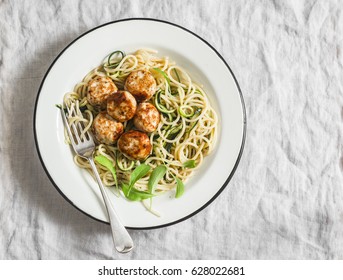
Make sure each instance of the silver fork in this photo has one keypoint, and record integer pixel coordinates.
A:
(84, 146)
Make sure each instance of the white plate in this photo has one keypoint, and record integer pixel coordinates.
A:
(189, 51)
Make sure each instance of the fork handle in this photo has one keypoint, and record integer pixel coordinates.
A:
(121, 238)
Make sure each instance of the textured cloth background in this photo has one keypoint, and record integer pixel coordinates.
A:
(285, 200)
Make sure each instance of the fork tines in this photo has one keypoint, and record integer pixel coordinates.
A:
(75, 124)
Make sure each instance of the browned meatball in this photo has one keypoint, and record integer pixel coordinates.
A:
(147, 117)
(106, 130)
(121, 106)
(141, 84)
(135, 145)
(99, 89)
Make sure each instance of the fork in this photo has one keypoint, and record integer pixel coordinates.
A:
(84, 146)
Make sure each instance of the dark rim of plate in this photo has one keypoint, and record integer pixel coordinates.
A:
(244, 123)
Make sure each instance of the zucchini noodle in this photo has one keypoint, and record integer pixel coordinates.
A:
(188, 126)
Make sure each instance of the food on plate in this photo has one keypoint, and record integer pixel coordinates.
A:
(153, 124)
(135, 145)
(107, 130)
(142, 84)
(121, 106)
(99, 89)
(147, 117)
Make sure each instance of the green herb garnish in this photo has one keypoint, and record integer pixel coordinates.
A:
(180, 188)
(139, 172)
(135, 195)
(104, 161)
(156, 175)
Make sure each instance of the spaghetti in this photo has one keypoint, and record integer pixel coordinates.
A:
(185, 135)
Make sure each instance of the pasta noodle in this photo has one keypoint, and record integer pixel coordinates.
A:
(188, 126)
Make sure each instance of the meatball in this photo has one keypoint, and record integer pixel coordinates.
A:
(99, 89)
(121, 106)
(106, 130)
(135, 145)
(147, 117)
(141, 84)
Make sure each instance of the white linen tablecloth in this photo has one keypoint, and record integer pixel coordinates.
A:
(285, 200)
